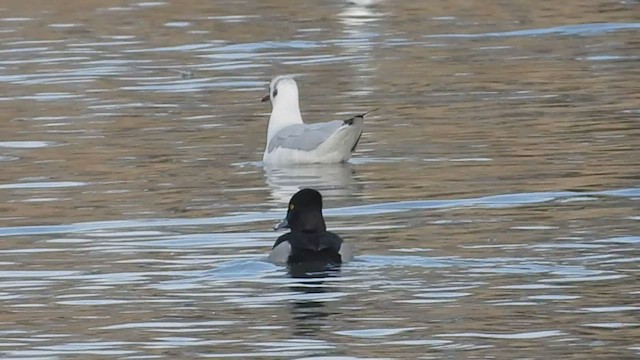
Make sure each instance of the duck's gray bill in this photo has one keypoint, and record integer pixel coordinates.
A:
(283, 224)
(266, 98)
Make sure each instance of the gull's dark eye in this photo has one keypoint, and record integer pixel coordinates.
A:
(275, 93)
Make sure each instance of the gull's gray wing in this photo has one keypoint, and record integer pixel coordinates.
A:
(305, 137)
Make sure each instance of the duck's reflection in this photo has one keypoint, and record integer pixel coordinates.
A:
(333, 180)
(314, 270)
(311, 315)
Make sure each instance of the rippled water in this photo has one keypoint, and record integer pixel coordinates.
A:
(493, 201)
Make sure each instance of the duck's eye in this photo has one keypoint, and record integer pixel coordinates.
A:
(275, 93)
(291, 207)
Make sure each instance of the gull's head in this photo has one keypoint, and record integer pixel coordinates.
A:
(282, 90)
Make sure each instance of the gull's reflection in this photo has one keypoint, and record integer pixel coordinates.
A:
(332, 180)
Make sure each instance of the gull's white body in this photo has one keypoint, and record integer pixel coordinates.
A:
(336, 149)
(290, 141)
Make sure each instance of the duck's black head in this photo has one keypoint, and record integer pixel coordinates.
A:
(304, 213)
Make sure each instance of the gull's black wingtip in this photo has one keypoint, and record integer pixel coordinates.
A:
(351, 120)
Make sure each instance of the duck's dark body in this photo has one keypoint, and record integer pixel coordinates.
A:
(312, 247)
(309, 241)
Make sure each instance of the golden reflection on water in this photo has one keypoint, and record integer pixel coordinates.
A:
(125, 111)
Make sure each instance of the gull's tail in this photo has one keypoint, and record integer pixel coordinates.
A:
(351, 120)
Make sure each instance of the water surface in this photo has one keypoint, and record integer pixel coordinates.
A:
(493, 200)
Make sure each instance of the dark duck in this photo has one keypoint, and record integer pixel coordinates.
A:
(308, 241)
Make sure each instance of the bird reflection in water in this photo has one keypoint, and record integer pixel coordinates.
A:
(310, 313)
(333, 180)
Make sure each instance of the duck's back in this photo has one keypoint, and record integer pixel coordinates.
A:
(312, 247)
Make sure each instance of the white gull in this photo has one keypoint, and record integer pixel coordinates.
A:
(290, 141)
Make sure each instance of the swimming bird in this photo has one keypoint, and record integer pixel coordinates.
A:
(290, 141)
(308, 241)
